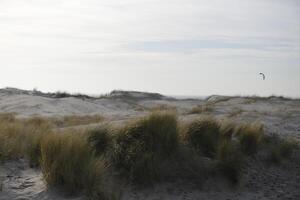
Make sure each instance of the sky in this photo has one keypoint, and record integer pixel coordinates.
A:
(174, 47)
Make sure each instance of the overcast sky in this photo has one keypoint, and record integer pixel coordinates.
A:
(177, 47)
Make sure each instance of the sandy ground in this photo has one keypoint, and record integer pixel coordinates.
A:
(259, 181)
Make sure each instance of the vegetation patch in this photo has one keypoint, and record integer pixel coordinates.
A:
(142, 145)
(229, 160)
(200, 109)
(75, 120)
(250, 137)
(203, 135)
(282, 150)
(68, 161)
(144, 151)
(100, 139)
(163, 107)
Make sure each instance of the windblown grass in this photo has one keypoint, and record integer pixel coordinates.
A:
(144, 151)
(67, 160)
(100, 139)
(163, 107)
(250, 137)
(282, 150)
(200, 109)
(143, 144)
(20, 138)
(203, 135)
(229, 160)
(75, 120)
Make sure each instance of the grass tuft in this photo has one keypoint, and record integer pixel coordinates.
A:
(75, 120)
(68, 161)
(200, 109)
(203, 135)
(100, 140)
(143, 144)
(282, 150)
(229, 160)
(250, 137)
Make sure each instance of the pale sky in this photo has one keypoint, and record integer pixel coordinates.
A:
(175, 47)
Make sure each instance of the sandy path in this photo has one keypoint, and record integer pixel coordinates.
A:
(20, 182)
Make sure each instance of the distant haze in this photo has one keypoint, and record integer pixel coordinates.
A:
(174, 47)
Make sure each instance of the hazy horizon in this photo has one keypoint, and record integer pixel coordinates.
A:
(173, 47)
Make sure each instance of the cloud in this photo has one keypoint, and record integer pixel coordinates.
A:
(129, 35)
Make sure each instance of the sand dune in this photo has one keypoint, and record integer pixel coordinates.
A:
(279, 115)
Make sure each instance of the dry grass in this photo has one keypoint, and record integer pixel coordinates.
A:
(20, 138)
(143, 144)
(75, 120)
(235, 112)
(229, 160)
(163, 107)
(250, 137)
(100, 139)
(67, 160)
(282, 150)
(203, 135)
(144, 150)
(200, 109)
(227, 129)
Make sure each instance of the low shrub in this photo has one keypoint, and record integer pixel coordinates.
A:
(203, 135)
(142, 145)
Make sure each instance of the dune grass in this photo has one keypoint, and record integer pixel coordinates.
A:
(282, 150)
(229, 160)
(142, 152)
(250, 137)
(141, 146)
(75, 120)
(67, 160)
(200, 109)
(203, 135)
(20, 138)
(100, 139)
(163, 107)
(224, 142)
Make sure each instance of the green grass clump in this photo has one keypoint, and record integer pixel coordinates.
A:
(142, 145)
(203, 135)
(250, 137)
(100, 139)
(229, 160)
(68, 161)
